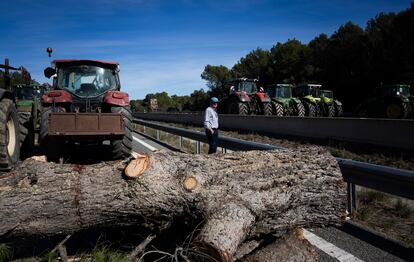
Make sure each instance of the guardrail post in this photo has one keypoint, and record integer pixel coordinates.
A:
(351, 197)
(198, 147)
(180, 142)
(145, 129)
(158, 134)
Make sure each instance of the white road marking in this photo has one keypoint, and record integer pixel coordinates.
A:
(144, 143)
(330, 248)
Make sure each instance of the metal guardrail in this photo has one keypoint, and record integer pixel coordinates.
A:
(393, 133)
(385, 179)
(225, 142)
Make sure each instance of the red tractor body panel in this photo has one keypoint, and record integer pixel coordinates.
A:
(57, 96)
(117, 98)
(263, 97)
(243, 96)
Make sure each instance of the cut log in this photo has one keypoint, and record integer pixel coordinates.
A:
(240, 196)
(137, 166)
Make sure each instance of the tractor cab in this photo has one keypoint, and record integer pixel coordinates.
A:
(86, 84)
(279, 91)
(243, 85)
(311, 91)
(396, 90)
(327, 94)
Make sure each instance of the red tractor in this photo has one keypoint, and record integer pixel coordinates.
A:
(246, 98)
(85, 107)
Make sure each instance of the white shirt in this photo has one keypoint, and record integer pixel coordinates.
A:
(210, 118)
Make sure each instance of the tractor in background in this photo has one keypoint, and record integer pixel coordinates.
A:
(245, 98)
(28, 108)
(282, 101)
(391, 101)
(85, 107)
(327, 99)
(309, 96)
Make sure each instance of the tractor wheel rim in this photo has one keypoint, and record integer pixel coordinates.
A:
(393, 111)
(11, 137)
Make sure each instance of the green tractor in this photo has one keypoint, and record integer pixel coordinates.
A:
(328, 100)
(28, 105)
(391, 101)
(282, 101)
(245, 98)
(310, 98)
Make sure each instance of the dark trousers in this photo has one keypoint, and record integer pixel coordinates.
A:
(212, 140)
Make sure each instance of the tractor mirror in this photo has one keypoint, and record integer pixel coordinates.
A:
(49, 72)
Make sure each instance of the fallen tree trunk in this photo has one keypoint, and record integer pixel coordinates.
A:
(240, 196)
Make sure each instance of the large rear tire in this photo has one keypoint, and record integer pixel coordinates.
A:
(278, 109)
(122, 147)
(52, 147)
(394, 110)
(9, 135)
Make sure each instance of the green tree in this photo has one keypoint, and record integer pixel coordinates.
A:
(198, 100)
(291, 62)
(256, 64)
(217, 77)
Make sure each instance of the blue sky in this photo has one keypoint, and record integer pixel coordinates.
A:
(164, 45)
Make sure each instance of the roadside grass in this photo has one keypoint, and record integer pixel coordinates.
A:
(391, 215)
(6, 252)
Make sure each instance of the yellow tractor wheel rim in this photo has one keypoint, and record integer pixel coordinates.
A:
(11, 137)
(393, 111)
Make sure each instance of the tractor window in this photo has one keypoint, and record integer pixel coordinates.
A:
(248, 87)
(24, 93)
(86, 80)
(327, 94)
(315, 92)
(271, 91)
(283, 92)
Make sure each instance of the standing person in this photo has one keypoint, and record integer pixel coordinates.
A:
(211, 125)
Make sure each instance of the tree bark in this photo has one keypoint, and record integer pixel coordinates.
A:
(240, 196)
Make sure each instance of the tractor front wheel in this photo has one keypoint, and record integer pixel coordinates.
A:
(338, 110)
(267, 109)
(238, 108)
(331, 110)
(122, 147)
(9, 135)
(300, 110)
(310, 109)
